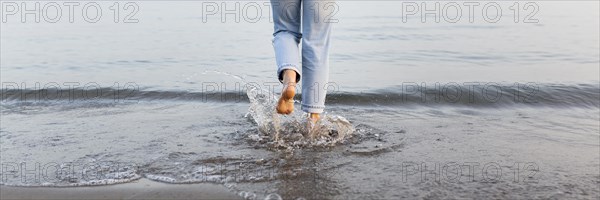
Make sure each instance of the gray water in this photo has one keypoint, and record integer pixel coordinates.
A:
(416, 110)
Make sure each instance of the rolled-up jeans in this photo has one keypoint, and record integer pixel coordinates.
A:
(289, 19)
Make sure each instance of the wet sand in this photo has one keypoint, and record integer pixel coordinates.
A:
(140, 189)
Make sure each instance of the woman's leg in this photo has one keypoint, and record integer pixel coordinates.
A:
(316, 29)
(286, 19)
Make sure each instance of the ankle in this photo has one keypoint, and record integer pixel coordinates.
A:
(314, 115)
(289, 77)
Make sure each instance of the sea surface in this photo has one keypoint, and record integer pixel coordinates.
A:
(414, 110)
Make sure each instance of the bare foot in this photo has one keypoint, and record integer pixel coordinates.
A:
(314, 117)
(285, 105)
(312, 122)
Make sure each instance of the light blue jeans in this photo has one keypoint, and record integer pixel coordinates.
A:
(289, 18)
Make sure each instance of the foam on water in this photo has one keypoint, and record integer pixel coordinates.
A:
(71, 174)
(294, 130)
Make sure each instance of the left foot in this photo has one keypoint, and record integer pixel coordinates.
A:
(285, 105)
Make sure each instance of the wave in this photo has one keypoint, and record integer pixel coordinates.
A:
(490, 95)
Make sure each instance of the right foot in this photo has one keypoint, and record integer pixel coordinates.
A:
(285, 105)
(313, 118)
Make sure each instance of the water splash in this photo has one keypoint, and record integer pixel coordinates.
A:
(294, 130)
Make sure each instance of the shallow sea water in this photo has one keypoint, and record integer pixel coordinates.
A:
(419, 110)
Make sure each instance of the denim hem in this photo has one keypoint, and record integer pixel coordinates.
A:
(312, 109)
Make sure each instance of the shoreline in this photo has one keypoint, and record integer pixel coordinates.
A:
(139, 189)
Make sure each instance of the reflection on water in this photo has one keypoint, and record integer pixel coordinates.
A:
(171, 142)
(289, 175)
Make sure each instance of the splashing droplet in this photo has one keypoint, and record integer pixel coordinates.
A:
(294, 130)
